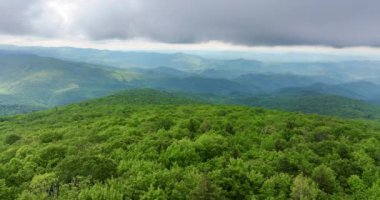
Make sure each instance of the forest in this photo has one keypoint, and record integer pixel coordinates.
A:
(148, 144)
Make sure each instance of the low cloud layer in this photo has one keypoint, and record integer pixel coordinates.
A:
(337, 23)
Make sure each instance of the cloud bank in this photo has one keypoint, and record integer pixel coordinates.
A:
(338, 23)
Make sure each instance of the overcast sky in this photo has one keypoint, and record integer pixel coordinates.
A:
(334, 23)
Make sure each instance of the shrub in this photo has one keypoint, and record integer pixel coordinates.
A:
(11, 139)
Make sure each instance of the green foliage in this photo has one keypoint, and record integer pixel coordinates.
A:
(51, 155)
(373, 193)
(44, 184)
(181, 150)
(98, 168)
(50, 137)
(11, 138)
(325, 178)
(303, 188)
(108, 191)
(356, 187)
(154, 194)
(5, 191)
(277, 187)
(205, 190)
(210, 145)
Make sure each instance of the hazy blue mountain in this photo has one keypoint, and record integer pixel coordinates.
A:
(49, 81)
(37, 76)
(18, 109)
(120, 59)
(272, 82)
(366, 89)
(231, 69)
(199, 85)
(346, 71)
(12, 105)
(162, 72)
(357, 90)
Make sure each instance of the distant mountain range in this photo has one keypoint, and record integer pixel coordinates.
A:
(33, 78)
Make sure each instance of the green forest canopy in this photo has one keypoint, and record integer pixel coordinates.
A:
(167, 147)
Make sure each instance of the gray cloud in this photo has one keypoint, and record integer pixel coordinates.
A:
(249, 22)
(16, 15)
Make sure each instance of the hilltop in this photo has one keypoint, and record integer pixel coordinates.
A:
(167, 147)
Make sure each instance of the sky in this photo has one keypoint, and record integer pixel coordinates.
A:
(304, 25)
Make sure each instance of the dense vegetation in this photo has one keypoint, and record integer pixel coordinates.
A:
(152, 145)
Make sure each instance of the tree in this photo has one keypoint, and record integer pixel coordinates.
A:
(181, 152)
(11, 138)
(325, 178)
(205, 190)
(45, 183)
(357, 187)
(96, 167)
(303, 188)
(210, 145)
(154, 194)
(5, 191)
(236, 179)
(287, 164)
(193, 126)
(277, 187)
(108, 191)
(373, 193)
(50, 156)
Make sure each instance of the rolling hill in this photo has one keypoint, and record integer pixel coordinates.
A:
(166, 147)
(315, 104)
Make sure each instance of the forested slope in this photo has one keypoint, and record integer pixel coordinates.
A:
(315, 104)
(165, 147)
